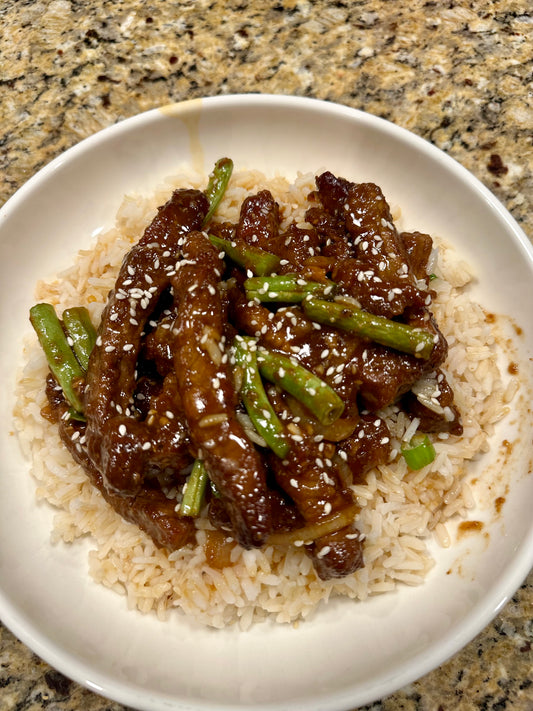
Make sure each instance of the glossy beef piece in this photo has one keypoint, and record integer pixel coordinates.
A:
(224, 230)
(337, 554)
(259, 222)
(388, 375)
(157, 346)
(297, 246)
(208, 397)
(285, 516)
(418, 247)
(333, 192)
(171, 443)
(117, 443)
(311, 480)
(279, 329)
(150, 510)
(444, 417)
(333, 240)
(375, 292)
(378, 275)
(367, 447)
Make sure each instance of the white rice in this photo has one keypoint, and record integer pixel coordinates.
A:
(401, 510)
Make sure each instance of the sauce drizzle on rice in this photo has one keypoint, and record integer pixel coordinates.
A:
(399, 508)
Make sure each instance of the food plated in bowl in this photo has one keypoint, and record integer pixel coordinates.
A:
(422, 621)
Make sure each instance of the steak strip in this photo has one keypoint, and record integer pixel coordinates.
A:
(151, 510)
(119, 445)
(207, 394)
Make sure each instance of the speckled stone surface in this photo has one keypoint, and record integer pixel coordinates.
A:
(457, 73)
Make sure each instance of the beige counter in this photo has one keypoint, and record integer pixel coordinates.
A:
(456, 73)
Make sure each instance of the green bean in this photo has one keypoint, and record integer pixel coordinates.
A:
(255, 399)
(317, 396)
(216, 187)
(257, 260)
(400, 336)
(60, 357)
(81, 331)
(287, 288)
(194, 490)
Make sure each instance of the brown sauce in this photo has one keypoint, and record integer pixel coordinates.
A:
(498, 503)
(466, 527)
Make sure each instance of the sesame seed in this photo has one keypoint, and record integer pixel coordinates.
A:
(122, 430)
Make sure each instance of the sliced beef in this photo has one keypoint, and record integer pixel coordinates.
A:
(418, 247)
(368, 447)
(311, 480)
(208, 396)
(150, 509)
(259, 222)
(118, 444)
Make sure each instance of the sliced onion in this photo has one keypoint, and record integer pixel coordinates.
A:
(424, 390)
(308, 534)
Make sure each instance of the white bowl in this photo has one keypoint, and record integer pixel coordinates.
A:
(349, 653)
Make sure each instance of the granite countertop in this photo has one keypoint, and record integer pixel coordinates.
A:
(457, 73)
